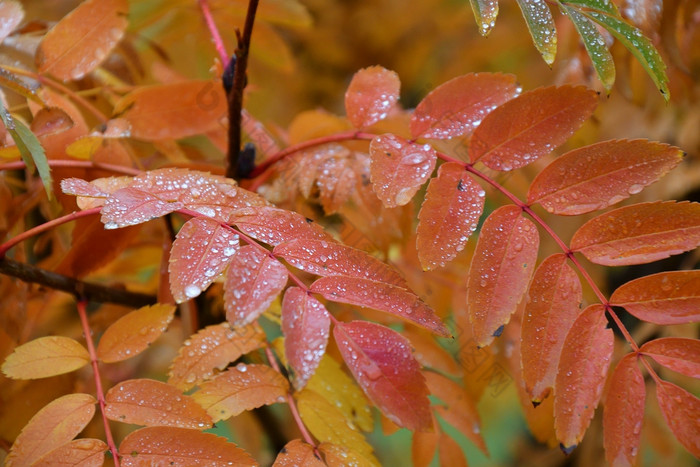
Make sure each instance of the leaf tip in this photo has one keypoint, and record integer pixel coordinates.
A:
(567, 449)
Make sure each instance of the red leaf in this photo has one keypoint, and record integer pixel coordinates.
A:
(554, 299)
(274, 226)
(201, 251)
(252, 282)
(677, 353)
(372, 93)
(153, 403)
(131, 206)
(214, 347)
(500, 272)
(324, 258)
(164, 445)
(530, 126)
(398, 168)
(382, 363)
(53, 426)
(380, 296)
(624, 413)
(84, 452)
(305, 325)
(640, 233)
(583, 366)
(600, 175)
(297, 453)
(682, 413)
(456, 107)
(449, 215)
(663, 298)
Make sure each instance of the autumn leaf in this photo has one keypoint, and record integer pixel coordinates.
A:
(240, 388)
(274, 226)
(324, 258)
(372, 93)
(485, 13)
(450, 452)
(131, 206)
(449, 215)
(600, 175)
(423, 447)
(380, 296)
(180, 447)
(78, 43)
(681, 410)
(153, 403)
(458, 106)
(380, 359)
(213, 347)
(253, 281)
(306, 326)
(13, 13)
(624, 413)
(554, 299)
(640, 233)
(583, 366)
(53, 426)
(44, 357)
(429, 353)
(398, 168)
(665, 298)
(134, 332)
(339, 456)
(530, 126)
(202, 249)
(677, 353)
(84, 452)
(500, 272)
(297, 453)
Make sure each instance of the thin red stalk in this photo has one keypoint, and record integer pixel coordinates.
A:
(18, 165)
(82, 305)
(44, 227)
(214, 31)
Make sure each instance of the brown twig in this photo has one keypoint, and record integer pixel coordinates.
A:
(235, 97)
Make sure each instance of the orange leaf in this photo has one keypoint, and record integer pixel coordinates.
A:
(382, 363)
(583, 366)
(372, 93)
(243, 387)
(78, 43)
(459, 409)
(530, 126)
(50, 120)
(398, 168)
(44, 357)
(201, 251)
(305, 325)
(164, 445)
(51, 427)
(380, 296)
(274, 226)
(677, 353)
(336, 181)
(429, 353)
(175, 110)
(252, 282)
(131, 206)
(13, 14)
(600, 175)
(554, 299)
(423, 448)
(681, 410)
(84, 452)
(297, 453)
(134, 332)
(449, 215)
(500, 272)
(624, 413)
(664, 298)
(456, 107)
(213, 347)
(640, 233)
(153, 403)
(324, 258)
(450, 452)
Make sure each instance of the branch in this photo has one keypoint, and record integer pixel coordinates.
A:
(235, 97)
(92, 292)
(214, 31)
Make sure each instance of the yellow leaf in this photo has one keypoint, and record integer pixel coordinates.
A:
(340, 456)
(134, 332)
(44, 357)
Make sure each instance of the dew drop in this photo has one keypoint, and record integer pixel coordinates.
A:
(192, 291)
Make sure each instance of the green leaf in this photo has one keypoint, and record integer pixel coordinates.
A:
(485, 12)
(30, 148)
(541, 25)
(640, 46)
(595, 46)
(606, 6)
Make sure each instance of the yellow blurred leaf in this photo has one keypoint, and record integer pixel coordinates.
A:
(44, 357)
